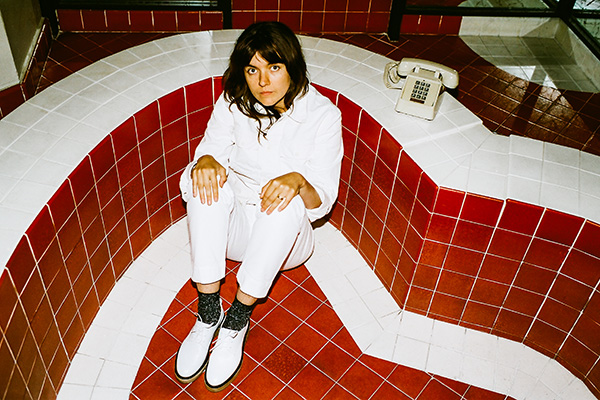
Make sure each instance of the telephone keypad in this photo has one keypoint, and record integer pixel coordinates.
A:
(420, 91)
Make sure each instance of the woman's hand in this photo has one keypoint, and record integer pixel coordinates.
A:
(207, 177)
(280, 191)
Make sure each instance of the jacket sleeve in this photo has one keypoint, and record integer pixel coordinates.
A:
(324, 166)
(218, 141)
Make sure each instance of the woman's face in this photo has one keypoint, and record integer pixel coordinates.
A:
(268, 82)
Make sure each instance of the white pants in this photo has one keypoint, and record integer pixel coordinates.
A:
(238, 230)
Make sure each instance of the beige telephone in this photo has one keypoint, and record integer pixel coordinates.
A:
(421, 82)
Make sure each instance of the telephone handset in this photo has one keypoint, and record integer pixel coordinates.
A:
(421, 82)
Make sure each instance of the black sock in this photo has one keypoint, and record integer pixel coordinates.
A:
(237, 316)
(209, 307)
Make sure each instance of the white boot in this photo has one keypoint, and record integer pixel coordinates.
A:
(192, 355)
(226, 358)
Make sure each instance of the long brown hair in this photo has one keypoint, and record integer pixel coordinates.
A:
(276, 43)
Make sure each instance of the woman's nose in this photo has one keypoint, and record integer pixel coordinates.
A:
(264, 80)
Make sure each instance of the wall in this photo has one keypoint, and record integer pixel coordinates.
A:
(22, 24)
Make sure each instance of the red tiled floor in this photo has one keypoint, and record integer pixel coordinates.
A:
(287, 356)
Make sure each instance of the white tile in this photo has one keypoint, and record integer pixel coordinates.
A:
(116, 375)
(487, 184)
(411, 352)
(416, 326)
(141, 323)
(112, 315)
(128, 291)
(338, 290)
(366, 334)
(101, 393)
(28, 196)
(74, 392)
(480, 345)
(98, 340)
(525, 167)
(525, 190)
(448, 336)
(556, 377)
(590, 207)
(381, 303)
(560, 175)
(560, 198)
(68, 152)
(504, 378)
(128, 349)
(84, 370)
(478, 372)
(48, 172)
(26, 114)
(10, 132)
(155, 300)
(77, 107)
(383, 346)
(354, 313)
(444, 362)
(364, 280)
(14, 164)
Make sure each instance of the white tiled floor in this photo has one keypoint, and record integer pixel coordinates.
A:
(107, 361)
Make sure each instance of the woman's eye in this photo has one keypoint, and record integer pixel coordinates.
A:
(275, 67)
(251, 71)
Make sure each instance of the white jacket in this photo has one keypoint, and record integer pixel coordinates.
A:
(306, 139)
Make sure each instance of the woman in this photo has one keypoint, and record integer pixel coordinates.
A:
(267, 166)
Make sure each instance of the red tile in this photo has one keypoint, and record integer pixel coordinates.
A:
(558, 315)
(520, 217)
(82, 180)
(534, 278)
(472, 236)
(171, 107)
(389, 150)
(447, 306)
(410, 381)
(280, 322)
(418, 299)
(410, 24)
(427, 192)
(50, 263)
(409, 172)
(545, 338)
(188, 21)
(378, 22)
(509, 244)
(157, 385)
(310, 382)
(480, 209)
(570, 292)
(463, 261)
(242, 19)
(334, 21)
(361, 381)
(332, 361)
(350, 113)
(301, 303)
(124, 138)
(441, 228)
(426, 277)
(93, 20)
(305, 341)
(129, 168)
(291, 18)
(522, 301)
(559, 227)
(587, 240)
(479, 315)
(165, 21)
(369, 131)
(577, 356)
(433, 253)
(450, 24)
(261, 384)
(449, 202)
(102, 157)
(429, 23)
(455, 284)
(364, 158)
(383, 177)
(139, 240)
(117, 20)
(546, 254)
(211, 20)
(70, 20)
(512, 325)
(413, 243)
(141, 20)
(582, 267)
(403, 198)
(69, 234)
(40, 233)
(325, 321)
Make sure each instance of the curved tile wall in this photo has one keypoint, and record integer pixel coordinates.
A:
(493, 233)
